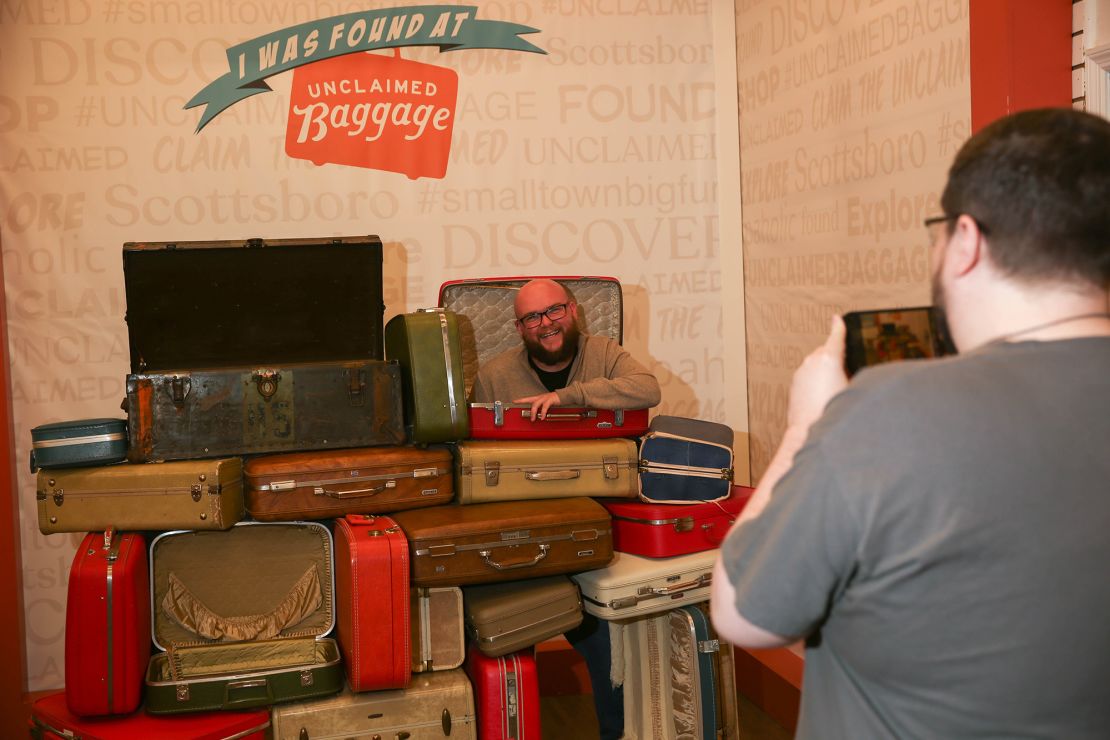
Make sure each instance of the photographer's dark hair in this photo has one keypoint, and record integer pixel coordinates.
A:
(1038, 182)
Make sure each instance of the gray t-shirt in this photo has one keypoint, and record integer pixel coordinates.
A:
(943, 539)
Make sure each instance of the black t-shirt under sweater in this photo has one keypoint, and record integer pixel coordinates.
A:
(552, 381)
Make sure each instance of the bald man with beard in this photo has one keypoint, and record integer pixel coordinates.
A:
(557, 365)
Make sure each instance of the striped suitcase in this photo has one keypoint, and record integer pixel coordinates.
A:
(507, 695)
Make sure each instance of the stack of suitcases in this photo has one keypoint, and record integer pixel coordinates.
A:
(303, 529)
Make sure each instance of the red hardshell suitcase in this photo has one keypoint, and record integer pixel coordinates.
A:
(499, 420)
(664, 530)
(107, 638)
(372, 602)
(506, 694)
(51, 720)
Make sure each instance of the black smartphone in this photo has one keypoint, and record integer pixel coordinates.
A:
(890, 334)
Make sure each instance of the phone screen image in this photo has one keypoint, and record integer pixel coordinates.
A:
(888, 335)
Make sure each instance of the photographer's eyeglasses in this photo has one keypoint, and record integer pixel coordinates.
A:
(934, 220)
(554, 313)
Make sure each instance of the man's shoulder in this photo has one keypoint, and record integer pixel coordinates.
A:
(502, 361)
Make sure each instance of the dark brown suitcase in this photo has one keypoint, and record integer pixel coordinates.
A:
(479, 543)
(332, 484)
(214, 373)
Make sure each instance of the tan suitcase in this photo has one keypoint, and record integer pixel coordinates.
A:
(191, 494)
(502, 618)
(438, 640)
(521, 470)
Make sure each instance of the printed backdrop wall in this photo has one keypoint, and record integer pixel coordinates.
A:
(598, 157)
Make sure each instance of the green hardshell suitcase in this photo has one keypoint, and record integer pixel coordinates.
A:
(426, 345)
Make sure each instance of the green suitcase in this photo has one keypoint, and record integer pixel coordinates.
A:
(241, 616)
(427, 347)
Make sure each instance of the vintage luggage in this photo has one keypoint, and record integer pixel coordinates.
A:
(510, 471)
(107, 638)
(665, 530)
(457, 545)
(51, 720)
(678, 679)
(372, 602)
(487, 320)
(438, 637)
(506, 694)
(81, 443)
(332, 483)
(685, 461)
(499, 420)
(189, 494)
(299, 370)
(632, 585)
(435, 705)
(502, 618)
(426, 345)
(241, 615)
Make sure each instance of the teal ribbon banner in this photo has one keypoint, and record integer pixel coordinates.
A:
(450, 27)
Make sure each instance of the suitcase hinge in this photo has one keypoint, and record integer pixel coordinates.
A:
(618, 417)
(437, 551)
(686, 524)
(355, 383)
(493, 473)
(709, 646)
(179, 388)
(306, 678)
(183, 692)
(425, 472)
(498, 414)
(609, 465)
(267, 382)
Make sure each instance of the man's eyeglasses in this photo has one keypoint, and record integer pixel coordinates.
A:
(534, 319)
(934, 220)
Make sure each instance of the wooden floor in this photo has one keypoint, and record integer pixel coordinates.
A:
(572, 717)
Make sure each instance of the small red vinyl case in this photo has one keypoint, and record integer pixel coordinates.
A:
(666, 530)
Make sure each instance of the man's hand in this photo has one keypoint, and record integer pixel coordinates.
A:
(820, 377)
(540, 403)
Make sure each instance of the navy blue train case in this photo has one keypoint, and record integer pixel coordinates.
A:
(685, 461)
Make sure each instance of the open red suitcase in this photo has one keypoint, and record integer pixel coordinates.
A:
(372, 602)
(663, 530)
(51, 720)
(506, 694)
(107, 639)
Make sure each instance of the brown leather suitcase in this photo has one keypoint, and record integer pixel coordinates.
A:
(502, 618)
(479, 543)
(332, 484)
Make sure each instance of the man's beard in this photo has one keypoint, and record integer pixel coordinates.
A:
(541, 354)
(940, 315)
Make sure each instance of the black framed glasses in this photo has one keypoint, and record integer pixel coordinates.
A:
(534, 319)
(934, 220)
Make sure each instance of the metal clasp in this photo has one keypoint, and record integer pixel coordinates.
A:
(355, 383)
(179, 387)
(492, 473)
(267, 382)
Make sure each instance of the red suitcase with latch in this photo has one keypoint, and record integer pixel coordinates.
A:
(664, 530)
(51, 720)
(107, 640)
(372, 602)
(506, 694)
(499, 420)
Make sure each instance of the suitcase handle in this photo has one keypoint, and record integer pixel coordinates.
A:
(355, 492)
(501, 566)
(552, 474)
(562, 416)
(703, 580)
(252, 698)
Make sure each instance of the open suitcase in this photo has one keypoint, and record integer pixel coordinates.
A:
(679, 679)
(514, 471)
(300, 370)
(685, 461)
(427, 347)
(482, 543)
(438, 637)
(51, 720)
(80, 443)
(435, 705)
(242, 616)
(666, 530)
(187, 494)
(333, 483)
(502, 618)
(372, 602)
(107, 639)
(507, 695)
(631, 585)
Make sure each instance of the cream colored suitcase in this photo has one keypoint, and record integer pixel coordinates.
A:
(435, 705)
(632, 585)
(191, 494)
(490, 471)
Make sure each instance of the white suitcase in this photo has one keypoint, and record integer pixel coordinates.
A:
(632, 585)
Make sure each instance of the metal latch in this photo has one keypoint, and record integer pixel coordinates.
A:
(195, 491)
(498, 414)
(179, 387)
(267, 382)
(355, 383)
(618, 417)
(493, 473)
(709, 646)
(183, 692)
(306, 678)
(609, 465)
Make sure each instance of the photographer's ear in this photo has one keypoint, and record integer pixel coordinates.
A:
(965, 249)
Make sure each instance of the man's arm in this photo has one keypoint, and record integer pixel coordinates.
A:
(820, 377)
(619, 383)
